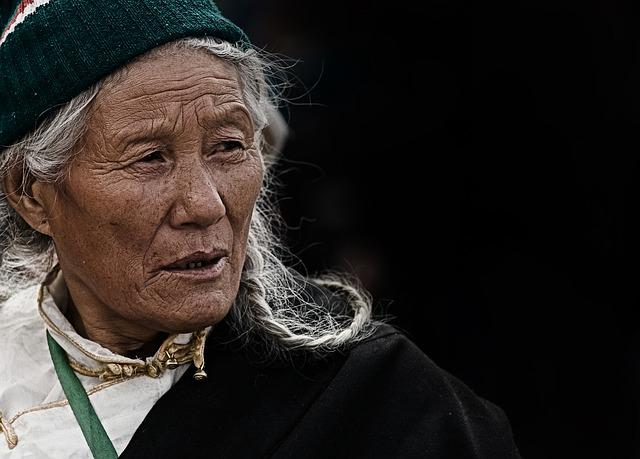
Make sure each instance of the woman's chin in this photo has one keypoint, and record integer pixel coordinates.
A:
(195, 315)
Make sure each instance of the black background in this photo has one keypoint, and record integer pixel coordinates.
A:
(476, 167)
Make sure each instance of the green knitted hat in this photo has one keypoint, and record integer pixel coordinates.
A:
(52, 50)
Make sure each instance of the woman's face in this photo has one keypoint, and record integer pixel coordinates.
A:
(151, 222)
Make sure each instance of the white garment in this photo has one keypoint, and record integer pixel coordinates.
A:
(32, 400)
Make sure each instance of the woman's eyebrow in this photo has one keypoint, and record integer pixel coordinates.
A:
(223, 115)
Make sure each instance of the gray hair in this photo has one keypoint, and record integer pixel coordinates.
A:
(276, 309)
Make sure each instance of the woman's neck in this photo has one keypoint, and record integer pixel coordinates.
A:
(107, 329)
(121, 343)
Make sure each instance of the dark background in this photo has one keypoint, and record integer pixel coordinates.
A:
(476, 167)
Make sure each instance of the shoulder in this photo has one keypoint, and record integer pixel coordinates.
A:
(389, 349)
(397, 365)
(395, 401)
(20, 323)
(19, 309)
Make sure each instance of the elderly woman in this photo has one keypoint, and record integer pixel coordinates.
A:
(146, 311)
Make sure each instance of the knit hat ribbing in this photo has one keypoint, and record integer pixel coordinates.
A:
(52, 50)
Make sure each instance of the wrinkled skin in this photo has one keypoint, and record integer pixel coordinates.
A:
(168, 168)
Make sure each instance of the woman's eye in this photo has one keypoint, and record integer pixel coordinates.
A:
(227, 146)
(156, 156)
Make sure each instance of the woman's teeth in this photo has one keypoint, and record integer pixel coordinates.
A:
(192, 265)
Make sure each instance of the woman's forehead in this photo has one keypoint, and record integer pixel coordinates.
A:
(163, 73)
(170, 86)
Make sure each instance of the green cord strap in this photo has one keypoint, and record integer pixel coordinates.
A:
(92, 429)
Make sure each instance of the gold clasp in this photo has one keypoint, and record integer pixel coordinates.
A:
(172, 363)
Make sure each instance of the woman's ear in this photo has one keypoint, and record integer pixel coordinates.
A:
(27, 197)
(276, 132)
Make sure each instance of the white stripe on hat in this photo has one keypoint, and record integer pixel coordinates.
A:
(28, 9)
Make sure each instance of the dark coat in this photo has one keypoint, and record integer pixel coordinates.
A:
(382, 399)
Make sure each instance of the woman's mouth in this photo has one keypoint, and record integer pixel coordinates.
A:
(198, 266)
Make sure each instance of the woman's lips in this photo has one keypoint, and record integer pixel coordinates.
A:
(199, 270)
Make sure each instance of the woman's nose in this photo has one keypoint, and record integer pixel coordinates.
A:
(198, 202)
